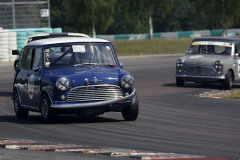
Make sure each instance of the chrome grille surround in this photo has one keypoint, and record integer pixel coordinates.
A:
(199, 71)
(95, 93)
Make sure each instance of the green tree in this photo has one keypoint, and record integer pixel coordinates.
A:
(91, 15)
(152, 6)
(127, 19)
(135, 16)
(183, 17)
(219, 13)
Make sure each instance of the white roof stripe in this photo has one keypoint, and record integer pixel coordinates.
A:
(227, 44)
(65, 40)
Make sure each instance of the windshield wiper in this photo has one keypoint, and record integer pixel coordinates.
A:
(64, 54)
(112, 65)
(85, 64)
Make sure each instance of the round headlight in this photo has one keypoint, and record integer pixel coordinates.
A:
(62, 84)
(127, 82)
(180, 63)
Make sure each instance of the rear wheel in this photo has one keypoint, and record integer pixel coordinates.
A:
(130, 113)
(47, 113)
(180, 82)
(19, 111)
(228, 81)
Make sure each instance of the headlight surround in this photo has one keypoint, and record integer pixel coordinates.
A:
(127, 81)
(62, 84)
(180, 63)
(218, 66)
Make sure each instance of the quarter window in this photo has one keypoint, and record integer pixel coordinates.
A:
(36, 60)
(237, 48)
(25, 58)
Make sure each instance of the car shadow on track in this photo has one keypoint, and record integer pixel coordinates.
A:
(6, 94)
(62, 119)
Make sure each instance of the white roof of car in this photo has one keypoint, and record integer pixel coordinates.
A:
(65, 40)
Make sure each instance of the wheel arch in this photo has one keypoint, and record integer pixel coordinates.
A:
(15, 88)
(233, 75)
(45, 92)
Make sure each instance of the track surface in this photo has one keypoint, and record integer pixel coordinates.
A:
(171, 119)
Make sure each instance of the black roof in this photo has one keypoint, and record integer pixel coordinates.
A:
(221, 39)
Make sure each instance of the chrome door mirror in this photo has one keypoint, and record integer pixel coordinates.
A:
(35, 68)
(121, 65)
(236, 55)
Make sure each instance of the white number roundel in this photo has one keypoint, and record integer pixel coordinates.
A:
(31, 86)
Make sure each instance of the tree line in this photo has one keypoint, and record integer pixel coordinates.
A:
(143, 16)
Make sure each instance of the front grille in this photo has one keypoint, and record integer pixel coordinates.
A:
(199, 71)
(94, 93)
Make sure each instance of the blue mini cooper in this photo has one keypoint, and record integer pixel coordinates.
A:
(73, 75)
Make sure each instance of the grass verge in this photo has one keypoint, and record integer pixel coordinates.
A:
(234, 94)
(151, 47)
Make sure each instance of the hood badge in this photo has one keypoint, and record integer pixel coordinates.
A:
(86, 82)
(95, 80)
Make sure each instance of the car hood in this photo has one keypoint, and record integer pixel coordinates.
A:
(94, 74)
(207, 60)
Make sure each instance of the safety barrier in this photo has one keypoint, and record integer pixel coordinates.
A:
(15, 39)
(181, 34)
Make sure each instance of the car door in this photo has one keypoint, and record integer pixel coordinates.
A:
(33, 79)
(237, 61)
(22, 77)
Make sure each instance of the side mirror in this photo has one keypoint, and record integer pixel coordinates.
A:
(15, 52)
(236, 55)
(35, 68)
(121, 65)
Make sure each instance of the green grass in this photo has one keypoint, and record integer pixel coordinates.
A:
(234, 94)
(151, 47)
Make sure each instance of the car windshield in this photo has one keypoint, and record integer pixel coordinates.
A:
(210, 47)
(79, 55)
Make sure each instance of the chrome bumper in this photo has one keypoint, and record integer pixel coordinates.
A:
(202, 77)
(92, 104)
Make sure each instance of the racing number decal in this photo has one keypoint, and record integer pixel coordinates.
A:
(31, 86)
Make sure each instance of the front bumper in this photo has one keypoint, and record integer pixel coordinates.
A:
(92, 104)
(201, 79)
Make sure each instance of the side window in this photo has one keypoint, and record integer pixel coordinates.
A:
(36, 58)
(25, 58)
(237, 48)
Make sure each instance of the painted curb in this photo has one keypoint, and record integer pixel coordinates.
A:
(214, 94)
(137, 154)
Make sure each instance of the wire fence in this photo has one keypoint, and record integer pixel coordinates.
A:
(16, 14)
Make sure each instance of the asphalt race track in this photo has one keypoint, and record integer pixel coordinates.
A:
(171, 119)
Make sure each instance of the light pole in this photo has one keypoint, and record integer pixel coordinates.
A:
(13, 14)
(223, 19)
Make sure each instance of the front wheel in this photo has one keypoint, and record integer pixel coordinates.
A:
(180, 82)
(130, 113)
(47, 113)
(228, 81)
(19, 111)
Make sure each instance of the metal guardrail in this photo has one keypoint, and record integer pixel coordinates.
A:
(24, 14)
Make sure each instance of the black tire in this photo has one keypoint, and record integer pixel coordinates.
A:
(180, 82)
(16, 65)
(48, 114)
(19, 110)
(130, 113)
(228, 81)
